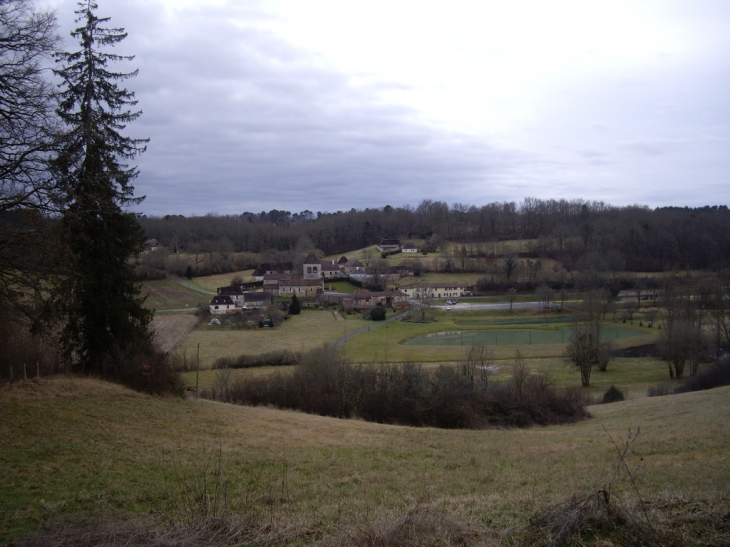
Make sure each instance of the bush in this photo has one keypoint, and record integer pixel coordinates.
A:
(281, 358)
(613, 395)
(659, 390)
(18, 346)
(294, 307)
(377, 313)
(325, 383)
(714, 376)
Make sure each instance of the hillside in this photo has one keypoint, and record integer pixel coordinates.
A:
(79, 447)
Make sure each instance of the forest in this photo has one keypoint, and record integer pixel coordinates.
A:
(628, 238)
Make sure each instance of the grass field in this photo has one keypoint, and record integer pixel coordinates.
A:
(169, 295)
(310, 329)
(83, 449)
(388, 339)
(212, 282)
(171, 329)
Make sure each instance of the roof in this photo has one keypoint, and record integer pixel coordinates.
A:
(280, 267)
(361, 294)
(229, 291)
(302, 282)
(256, 296)
(387, 293)
(277, 277)
(222, 301)
(343, 260)
(390, 242)
(435, 285)
(355, 264)
(329, 266)
(409, 245)
(311, 259)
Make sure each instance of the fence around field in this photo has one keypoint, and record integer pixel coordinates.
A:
(510, 337)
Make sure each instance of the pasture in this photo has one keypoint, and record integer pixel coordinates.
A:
(86, 452)
(302, 332)
(167, 294)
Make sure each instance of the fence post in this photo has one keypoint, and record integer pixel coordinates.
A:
(197, 372)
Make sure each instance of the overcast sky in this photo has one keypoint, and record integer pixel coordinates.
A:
(332, 104)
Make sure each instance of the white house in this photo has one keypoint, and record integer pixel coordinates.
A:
(436, 290)
(222, 305)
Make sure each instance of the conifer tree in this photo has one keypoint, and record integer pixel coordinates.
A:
(100, 300)
(294, 308)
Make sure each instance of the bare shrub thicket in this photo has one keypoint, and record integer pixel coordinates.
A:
(716, 375)
(268, 359)
(450, 397)
(19, 349)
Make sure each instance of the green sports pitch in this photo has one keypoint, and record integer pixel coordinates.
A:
(510, 337)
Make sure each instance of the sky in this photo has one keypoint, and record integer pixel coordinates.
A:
(329, 105)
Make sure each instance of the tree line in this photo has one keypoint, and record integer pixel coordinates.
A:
(576, 232)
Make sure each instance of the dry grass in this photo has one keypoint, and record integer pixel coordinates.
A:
(212, 282)
(170, 330)
(81, 447)
(302, 332)
(169, 295)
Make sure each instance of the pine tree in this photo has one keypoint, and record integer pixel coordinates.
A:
(100, 302)
(294, 307)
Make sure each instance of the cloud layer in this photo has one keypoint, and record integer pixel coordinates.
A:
(244, 114)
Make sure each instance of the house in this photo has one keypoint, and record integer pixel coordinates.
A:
(300, 286)
(330, 270)
(222, 305)
(354, 267)
(272, 281)
(436, 290)
(364, 300)
(409, 247)
(151, 245)
(266, 268)
(389, 245)
(235, 292)
(342, 261)
(259, 299)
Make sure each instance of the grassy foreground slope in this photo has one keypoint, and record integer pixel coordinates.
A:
(83, 447)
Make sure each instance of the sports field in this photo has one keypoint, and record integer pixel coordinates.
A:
(510, 337)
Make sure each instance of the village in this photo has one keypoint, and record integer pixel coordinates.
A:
(310, 283)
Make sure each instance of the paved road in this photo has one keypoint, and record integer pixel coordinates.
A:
(464, 306)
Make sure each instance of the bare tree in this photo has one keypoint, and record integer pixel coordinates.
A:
(27, 126)
(511, 297)
(478, 364)
(584, 348)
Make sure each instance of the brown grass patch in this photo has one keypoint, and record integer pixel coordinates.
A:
(170, 330)
(169, 295)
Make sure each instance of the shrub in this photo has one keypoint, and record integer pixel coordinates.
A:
(281, 358)
(659, 390)
(294, 307)
(714, 376)
(325, 383)
(377, 313)
(613, 395)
